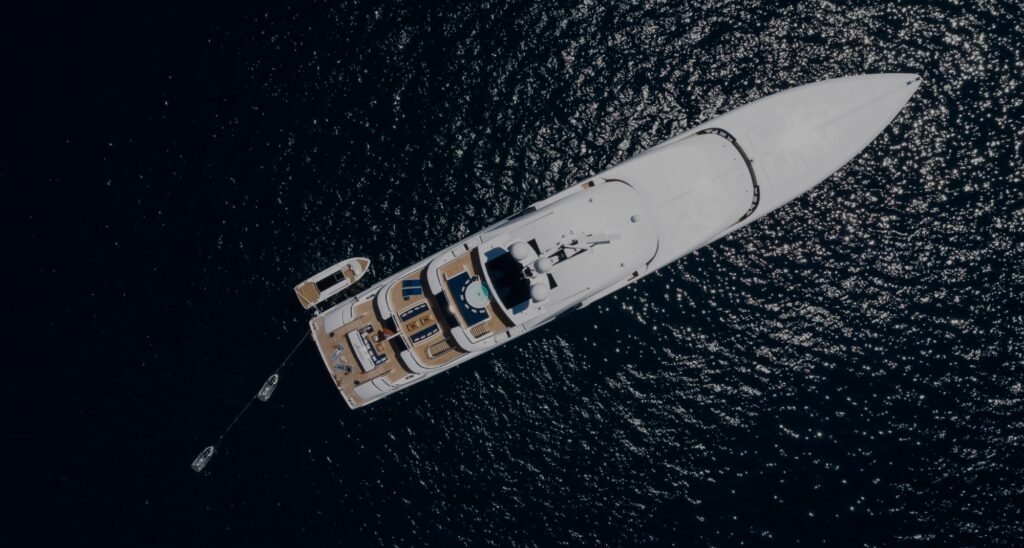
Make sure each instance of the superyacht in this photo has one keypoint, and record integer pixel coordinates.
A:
(594, 238)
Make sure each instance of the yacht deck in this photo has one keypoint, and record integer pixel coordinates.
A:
(419, 317)
(340, 359)
(468, 262)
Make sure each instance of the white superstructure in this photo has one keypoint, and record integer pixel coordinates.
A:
(566, 251)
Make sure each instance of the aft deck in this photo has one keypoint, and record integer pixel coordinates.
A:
(368, 349)
(347, 371)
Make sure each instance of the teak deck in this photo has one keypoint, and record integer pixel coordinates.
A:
(468, 261)
(308, 294)
(433, 316)
(339, 362)
(433, 351)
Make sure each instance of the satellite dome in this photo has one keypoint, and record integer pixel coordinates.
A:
(520, 250)
(543, 265)
(539, 292)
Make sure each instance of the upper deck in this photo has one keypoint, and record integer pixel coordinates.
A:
(401, 330)
(477, 294)
(421, 321)
(472, 300)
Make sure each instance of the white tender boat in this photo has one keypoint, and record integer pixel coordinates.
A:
(600, 235)
(203, 458)
(332, 281)
(268, 388)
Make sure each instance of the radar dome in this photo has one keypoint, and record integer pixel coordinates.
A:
(542, 266)
(520, 250)
(539, 292)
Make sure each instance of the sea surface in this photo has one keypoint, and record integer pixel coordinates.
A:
(847, 371)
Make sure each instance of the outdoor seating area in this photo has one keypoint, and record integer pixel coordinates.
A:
(422, 320)
(414, 311)
(411, 288)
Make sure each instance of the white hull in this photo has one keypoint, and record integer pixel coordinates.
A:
(602, 234)
(331, 281)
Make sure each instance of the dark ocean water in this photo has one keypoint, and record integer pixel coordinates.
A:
(848, 370)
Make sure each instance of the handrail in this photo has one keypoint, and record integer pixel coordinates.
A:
(750, 167)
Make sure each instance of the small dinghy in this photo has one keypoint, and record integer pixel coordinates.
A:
(203, 459)
(268, 388)
(332, 281)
